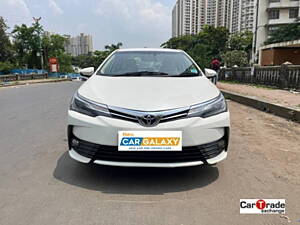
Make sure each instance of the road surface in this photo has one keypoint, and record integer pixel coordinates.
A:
(40, 184)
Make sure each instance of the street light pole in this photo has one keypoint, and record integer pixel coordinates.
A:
(254, 48)
(37, 20)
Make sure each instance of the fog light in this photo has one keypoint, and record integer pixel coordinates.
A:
(221, 144)
(75, 143)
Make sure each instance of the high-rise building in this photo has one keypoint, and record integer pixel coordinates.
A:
(247, 15)
(211, 11)
(218, 13)
(227, 13)
(189, 16)
(235, 16)
(79, 45)
(242, 15)
(270, 16)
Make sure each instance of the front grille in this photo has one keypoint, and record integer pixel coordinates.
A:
(188, 154)
(123, 116)
(138, 116)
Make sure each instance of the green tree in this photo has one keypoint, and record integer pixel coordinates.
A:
(113, 47)
(235, 57)
(96, 58)
(65, 63)
(241, 41)
(201, 54)
(209, 43)
(92, 59)
(30, 43)
(99, 57)
(83, 61)
(27, 42)
(185, 42)
(287, 32)
(54, 46)
(6, 49)
(216, 39)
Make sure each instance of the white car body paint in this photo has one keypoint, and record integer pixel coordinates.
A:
(148, 94)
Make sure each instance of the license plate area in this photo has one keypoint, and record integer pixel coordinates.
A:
(150, 141)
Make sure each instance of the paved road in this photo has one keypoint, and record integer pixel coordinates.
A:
(40, 184)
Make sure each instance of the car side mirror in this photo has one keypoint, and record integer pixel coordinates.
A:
(212, 75)
(87, 72)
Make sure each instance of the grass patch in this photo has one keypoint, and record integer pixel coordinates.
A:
(252, 85)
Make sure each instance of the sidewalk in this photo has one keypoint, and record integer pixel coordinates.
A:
(277, 96)
(37, 81)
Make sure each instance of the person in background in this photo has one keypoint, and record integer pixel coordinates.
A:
(215, 65)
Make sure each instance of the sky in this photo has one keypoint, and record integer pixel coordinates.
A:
(135, 23)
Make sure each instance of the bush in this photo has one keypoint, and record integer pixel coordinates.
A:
(287, 32)
(5, 67)
(235, 57)
(65, 63)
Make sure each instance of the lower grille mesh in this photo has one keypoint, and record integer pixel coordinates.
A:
(188, 154)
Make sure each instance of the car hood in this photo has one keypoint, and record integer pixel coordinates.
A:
(149, 93)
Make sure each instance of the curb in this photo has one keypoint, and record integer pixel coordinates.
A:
(278, 110)
(39, 82)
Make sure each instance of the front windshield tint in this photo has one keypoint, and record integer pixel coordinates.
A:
(149, 64)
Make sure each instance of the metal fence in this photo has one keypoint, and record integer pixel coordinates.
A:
(27, 71)
(285, 76)
(20, 77)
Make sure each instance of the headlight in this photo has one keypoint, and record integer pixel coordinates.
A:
(88, 107)
(210, 108)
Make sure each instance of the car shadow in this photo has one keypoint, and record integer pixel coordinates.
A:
(121, 180)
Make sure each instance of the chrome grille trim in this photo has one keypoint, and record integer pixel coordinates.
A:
(136, 115)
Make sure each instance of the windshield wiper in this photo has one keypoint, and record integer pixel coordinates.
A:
(188, 74)
(141, 73)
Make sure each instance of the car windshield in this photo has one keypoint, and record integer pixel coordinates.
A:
(149, 63)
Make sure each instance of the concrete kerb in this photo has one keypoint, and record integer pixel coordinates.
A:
(278, 110)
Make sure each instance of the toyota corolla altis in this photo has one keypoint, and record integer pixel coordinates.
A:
(148, 108)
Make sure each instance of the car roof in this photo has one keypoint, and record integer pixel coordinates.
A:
(148, 50)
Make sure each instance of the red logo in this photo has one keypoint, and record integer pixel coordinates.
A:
(260, 204)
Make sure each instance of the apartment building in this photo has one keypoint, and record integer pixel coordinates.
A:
(235, 16)
(218, 13)
(189, 16)
(242, 15)
(211, 12)
(271, 14)
(247, 15)
(79, 45)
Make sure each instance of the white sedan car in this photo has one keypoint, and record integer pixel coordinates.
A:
(148, 108)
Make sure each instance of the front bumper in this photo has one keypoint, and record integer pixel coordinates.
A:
(87, 152)
(104, 130)
(73, 154)
(204, 141)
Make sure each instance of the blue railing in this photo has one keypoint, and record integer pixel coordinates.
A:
(36, 71)
(68, 75)
(27, 71)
